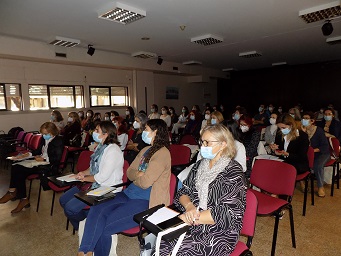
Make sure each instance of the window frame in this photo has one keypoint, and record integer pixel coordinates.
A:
(5, 97)
(110, 96)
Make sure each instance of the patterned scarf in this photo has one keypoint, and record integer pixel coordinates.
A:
(143, 165)
(205, 176)
(95, 161)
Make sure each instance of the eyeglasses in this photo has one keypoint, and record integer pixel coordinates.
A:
(206, 142)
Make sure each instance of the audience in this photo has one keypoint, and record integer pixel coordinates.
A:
(194, 124)
(154, 112)
(296, 114)
(174, 116)
(122, 136)
(331, 126)
(57, 119)
(271, 130)
(165, 116)
(182, 121)
(107, 116)
(261, 118)
(106, 169)
(130, 117)
(81, 115)
(150, 173)
(216, 117)
(88, 124)
(207, 118)
(72, 130)
(239, 112)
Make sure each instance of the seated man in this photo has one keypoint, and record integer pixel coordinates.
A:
(261, 118)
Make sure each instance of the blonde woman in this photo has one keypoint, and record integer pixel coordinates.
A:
(216, 117)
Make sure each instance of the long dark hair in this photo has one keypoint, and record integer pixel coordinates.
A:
(161, 138)
(234, 129)
(109, 128)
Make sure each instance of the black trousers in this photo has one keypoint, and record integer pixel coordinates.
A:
(19, 174)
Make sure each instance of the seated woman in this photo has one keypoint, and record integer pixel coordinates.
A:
(165, 116)
(291, 144)
(319, 143)
(295, 113)
(207, 118)
(331, 126)
(212, 199)
(106, 169)
(136, 143)
(72, 129)
(194, 124)
(250, 138)
(57, 119)
(271, 130)
(240, 156)
(130, 115)
(174, 116)
(216, 117)
(107, 116)
(88, 123)
(81, 115)
(182, 121)
(150, 173)
(122, 130)
(154, 112)
(50, 150)
(239, 112)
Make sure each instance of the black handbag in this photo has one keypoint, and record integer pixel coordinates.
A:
(76, 141)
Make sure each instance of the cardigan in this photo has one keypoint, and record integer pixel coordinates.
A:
(157, 175)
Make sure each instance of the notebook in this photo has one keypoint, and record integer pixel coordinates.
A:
(68, 178)
(100, 191)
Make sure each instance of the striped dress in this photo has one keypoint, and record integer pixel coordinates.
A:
(226, 200)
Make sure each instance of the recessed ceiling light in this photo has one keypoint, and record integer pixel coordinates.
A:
(321, 12)
(66, 42)
(207, 39)
(123, 14)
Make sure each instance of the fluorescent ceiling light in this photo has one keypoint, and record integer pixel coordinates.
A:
(123, 14)
(207, 39)
(251, 54)
(144, 55)
(192, 62)
(66, 42)
(279, 63)
(228, 69)
(321, 12)
(333, 40)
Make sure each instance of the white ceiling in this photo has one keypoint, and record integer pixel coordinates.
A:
(271, 27)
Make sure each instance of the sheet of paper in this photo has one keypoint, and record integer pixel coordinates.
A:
(67, 178)
(100, 191)
(162, 215)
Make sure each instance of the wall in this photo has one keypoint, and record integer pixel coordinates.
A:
(311, 85)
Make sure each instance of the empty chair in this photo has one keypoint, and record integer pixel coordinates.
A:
(335, 162)
(180, 156)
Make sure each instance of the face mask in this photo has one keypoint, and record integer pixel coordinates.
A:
(213, 121)
(222, 108)
(88, 114)
(328, 118)
(206, 152)
(47, 136)
(52, 118)
(236, 117)
(207, 116)
(244, 128)
(183, 111)
(95, 136)
(70, 119)
(271, 108)
(280, 110)
(106, 118)
(115, 125)
(292, 115)
(127, 113)
(171, 111)
(305, 122)
(192, 117)
(272, 120)
(136, 125)
(146, 138)
(321, 111)
(152, 110)
(80, 114)
(285, 131)
(112, 117)
(194, 109)
(164, 112)
(260, 109)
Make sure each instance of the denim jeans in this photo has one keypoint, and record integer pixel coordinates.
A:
(73, 207)
(109, 218)
(319, 162)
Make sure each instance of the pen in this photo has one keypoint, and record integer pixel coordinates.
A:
(197, 212)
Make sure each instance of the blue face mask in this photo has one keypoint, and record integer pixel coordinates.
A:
(95, 137)
(52, 118)
(47, 136)
(285, 131)
(305, 122)
(192, 117)
(206, 152)
(213, 121)
(328, 118)
(236, 117)
(292, 115)
(146, 138)
(260, 109)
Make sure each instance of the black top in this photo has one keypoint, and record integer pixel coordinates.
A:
(297, 150)
(250, 140)
(334, 128)
(320, 141)
(131, 154)
(70, 131)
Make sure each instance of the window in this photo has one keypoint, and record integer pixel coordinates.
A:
(55, 96)
(10, 97)
(108, 96)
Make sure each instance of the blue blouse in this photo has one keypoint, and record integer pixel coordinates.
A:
(135, 192)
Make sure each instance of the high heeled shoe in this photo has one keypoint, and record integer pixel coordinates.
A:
(8, 196)
(24, 203)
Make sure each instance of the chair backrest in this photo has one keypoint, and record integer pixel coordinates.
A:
(125, 169)
(173, 187)
(21, 136)
(130, 134)
(83, 162)
(275, 177)
(335, 147)
(28, 138)
(249, 219)
(85, 139)
(310, 155)
(188, 139)
(180, 154)
(35, 142)
(63, 159)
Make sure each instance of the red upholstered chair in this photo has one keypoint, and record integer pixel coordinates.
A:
(130, 134)
(188, 139)
(335, 162)
(276, 178)
(75, 151)
(305, 177)
(181, 156)
(249, 223)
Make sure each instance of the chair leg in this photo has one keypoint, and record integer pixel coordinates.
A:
(39, 197)
(274, 238)
(29, 190)
(338, 175)
(67, 224)
(312, 189)
(291, 215)
(333, 182)
(305, 196)
(53, 197)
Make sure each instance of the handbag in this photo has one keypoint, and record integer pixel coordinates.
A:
(76, 141)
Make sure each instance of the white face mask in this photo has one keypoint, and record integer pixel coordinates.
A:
(164, 112)
(136, 125)
(88, 114)
(106, 118)
(207, 116)
(70, 119)
(127, 113)
(272, 121)
(244, 128)
(271, 108)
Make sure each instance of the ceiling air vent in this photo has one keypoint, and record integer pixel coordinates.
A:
(61, 55)
(66, 42)
(192, 62)
(144, 55)
(123, 14)
(321, 12)
(333, 40)
(207, 39)
(251, 54)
